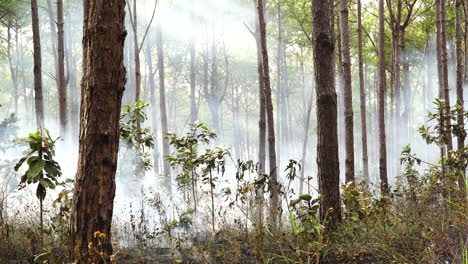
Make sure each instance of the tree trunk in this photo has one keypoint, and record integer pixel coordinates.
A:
(162, 104)
(362, 93)
(11, 66)
(274, 186)
(102, 88)
(193, 103)
(152, 88)
(328, 172)
(381, 103)
(348, 92)
(279, 90)
(53, 35)
(443, 68)
(460, 78)
(136, 51)
(39, 106)
(61, 71)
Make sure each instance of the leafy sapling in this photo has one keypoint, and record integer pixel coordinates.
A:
(42, 169)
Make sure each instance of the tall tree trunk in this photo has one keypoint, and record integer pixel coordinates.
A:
(102, 88)
(348, 91)
(154, 122)
(261, 136)
(39, 105)
(61, 71)
(279, 85)
(460, 79)
(381, 103)
(443, 68)
(193, 103)
(136, 51)
(53, 37)
(406, 86)
(11, 66)
(362, 93)
(328, 172)
(304, 144)
(274, 186)
(162, 104)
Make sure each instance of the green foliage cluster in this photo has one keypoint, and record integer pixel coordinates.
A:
(42, 168)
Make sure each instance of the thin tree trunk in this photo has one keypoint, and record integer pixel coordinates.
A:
(11, 66)
(328, 172)
(274, 186)
(381, 103)
(279, 90)
(348, 92)
(261, 137)
(152, 88)
(53, 34)
(39, 106)
(193, 103)
(61, 71)
(460, 78)
(304, 145)
(162, 104)
(102, 88)
(362, 93)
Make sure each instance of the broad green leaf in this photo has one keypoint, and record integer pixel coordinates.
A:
(35, 168)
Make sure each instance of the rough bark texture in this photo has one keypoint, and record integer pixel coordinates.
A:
(460, 79)
(274, 186)
(443, 68)
(162, 104)
(348, 92)
(62, 88)
(39, 106)
(362, 93)
(327, 138)
(102, 86)
(381, 103)
(261, 96)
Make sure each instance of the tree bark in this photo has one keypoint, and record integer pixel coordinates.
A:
(62, 88)
(443, 68)
(102, 88)
(348, 92)
(328, 173)
(274, 186)
(38, 101)
(362, 93)
(381, 103)
(162, 105)
(460, 79)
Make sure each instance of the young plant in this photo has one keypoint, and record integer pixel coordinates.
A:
(138, 140)
(42, 169)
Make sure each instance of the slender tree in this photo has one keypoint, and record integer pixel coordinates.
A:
(136, 49)
(102, 88)
(362, 93)
(381, 102)
(460, 79)
(162, 104)
(274, 186)
(39, 105)
(193, 103)
(62, 86)
(348, 91)
(328, 173)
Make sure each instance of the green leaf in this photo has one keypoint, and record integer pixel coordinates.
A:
(52, 170)
(305, 197)
(35, 168)
(41, 192)
(21, 161)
